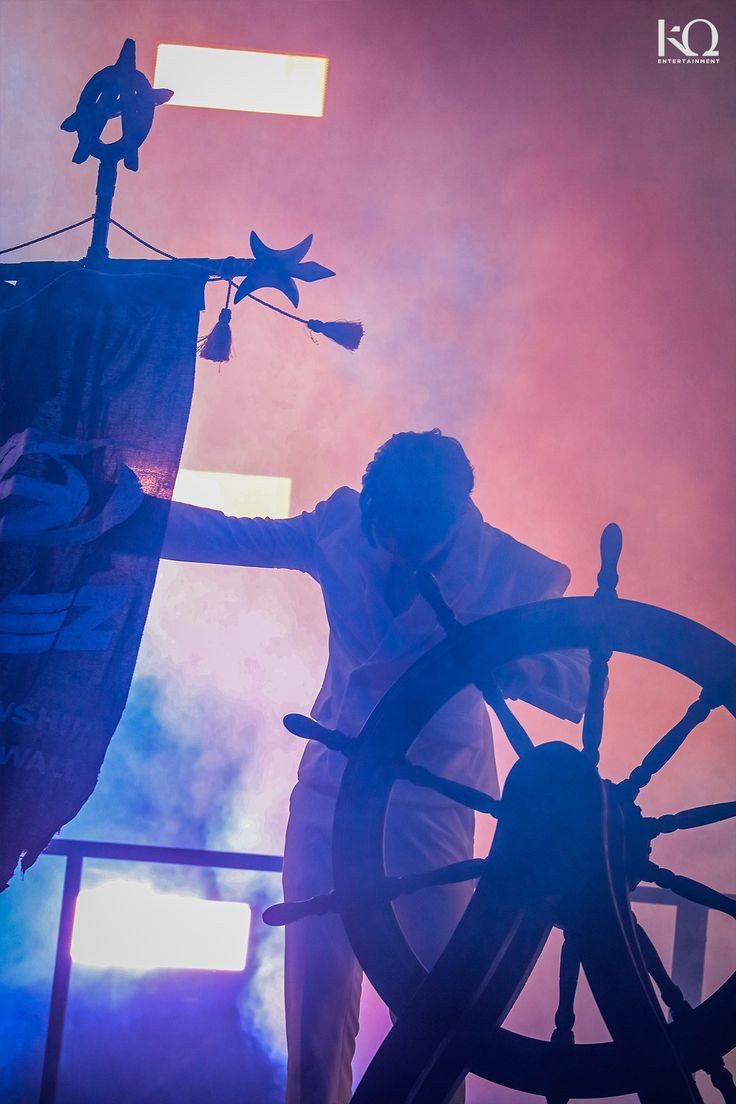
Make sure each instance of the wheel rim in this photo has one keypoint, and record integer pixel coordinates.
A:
(658, 635)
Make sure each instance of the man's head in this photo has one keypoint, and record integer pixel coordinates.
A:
(415, 491)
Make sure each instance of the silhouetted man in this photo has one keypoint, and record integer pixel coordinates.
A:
(363, 550)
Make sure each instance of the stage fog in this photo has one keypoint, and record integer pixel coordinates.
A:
(533, 221)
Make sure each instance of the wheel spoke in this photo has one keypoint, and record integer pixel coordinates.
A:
(286, 912)
(515, 732)
(429, 589)
(569, 974)
(600, 653)
(611, 544)
(666, 747)
(722, 1079)
(465, 871)
(671, 994)
(463, 795)
(687, 887)
(692, 818)
(307, 729)
(679, 1009)
(619, 981)
(481, 802)
(563, 1035)
(593, 720)
(461, 1002)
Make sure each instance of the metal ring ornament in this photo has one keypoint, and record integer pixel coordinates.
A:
(117, 90)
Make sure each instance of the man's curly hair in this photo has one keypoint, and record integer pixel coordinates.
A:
(417, 483)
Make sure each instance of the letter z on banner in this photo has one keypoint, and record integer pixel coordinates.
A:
(95, 388)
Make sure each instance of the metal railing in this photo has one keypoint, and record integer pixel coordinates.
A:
(688, 960)
(75, 852)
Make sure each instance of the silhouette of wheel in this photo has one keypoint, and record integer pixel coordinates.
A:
(568, 850)
(449, 1021)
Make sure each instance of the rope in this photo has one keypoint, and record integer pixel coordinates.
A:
(148, 245)
(231, 283)
(286, 314)
(45, 237)
(73, 226)
(154, 249)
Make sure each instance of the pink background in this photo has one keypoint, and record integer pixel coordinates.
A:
(534, 221)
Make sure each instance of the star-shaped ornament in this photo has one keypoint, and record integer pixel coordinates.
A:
(279, 269)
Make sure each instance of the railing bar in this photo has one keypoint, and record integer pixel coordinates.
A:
(242, 860)
(60, 983)
(689, 934)
(654, 895)
(183, 856)
(688, 952)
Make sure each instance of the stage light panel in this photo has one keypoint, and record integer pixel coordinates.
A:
(242, 80)
(130, 925)
(235, 494)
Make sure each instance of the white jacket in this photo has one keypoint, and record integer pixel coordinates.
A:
(370, 646)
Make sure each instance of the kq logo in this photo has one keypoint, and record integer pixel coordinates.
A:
(690, 56)
(47, 493)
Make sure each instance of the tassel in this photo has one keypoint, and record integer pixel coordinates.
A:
(218, 343)
(347, 334)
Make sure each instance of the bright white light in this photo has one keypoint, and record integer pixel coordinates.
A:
(132, 926)
(236, 495)
(242, 80)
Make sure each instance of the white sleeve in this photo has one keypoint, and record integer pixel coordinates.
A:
(556, 682)
(198, 535)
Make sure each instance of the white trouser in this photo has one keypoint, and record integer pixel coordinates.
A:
(322, 975)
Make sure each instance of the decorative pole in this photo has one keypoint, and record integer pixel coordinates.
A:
(117, 91)
(122, 91)
(107, 176)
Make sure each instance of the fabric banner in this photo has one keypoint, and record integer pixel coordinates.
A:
(95, 389)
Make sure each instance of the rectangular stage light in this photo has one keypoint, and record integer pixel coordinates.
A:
(130, 925)
(242, 80)
(235, 494)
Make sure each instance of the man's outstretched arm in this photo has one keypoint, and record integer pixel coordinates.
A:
(198, 535)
